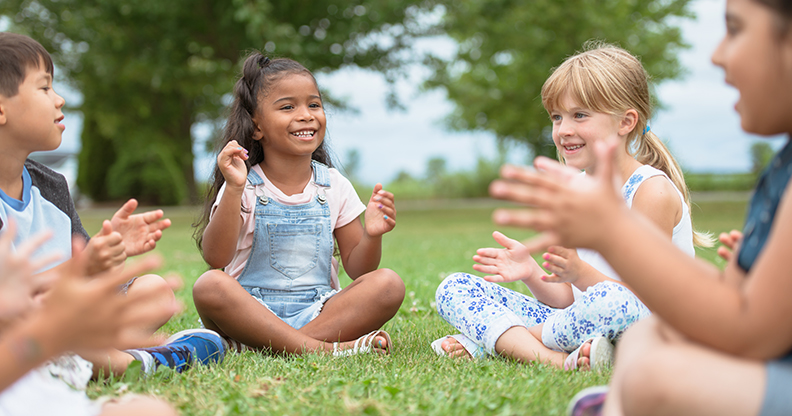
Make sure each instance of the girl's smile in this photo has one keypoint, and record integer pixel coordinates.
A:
(575, 128)
(290, 120)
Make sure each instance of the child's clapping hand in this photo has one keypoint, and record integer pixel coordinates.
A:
(730, 242)
(380, 212)
(18, 281)
(508, 264)
(231, 162)
(563, 263)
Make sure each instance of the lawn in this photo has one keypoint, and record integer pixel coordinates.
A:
(427, 244)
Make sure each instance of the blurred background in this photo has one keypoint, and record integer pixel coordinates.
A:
(426, 97)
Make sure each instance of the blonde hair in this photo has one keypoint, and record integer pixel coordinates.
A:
(608, 79)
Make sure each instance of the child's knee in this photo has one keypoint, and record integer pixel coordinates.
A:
(451, 285)
(392, 287)
(208, 288)
(157, 289)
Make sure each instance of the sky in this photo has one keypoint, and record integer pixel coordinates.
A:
(698, 121)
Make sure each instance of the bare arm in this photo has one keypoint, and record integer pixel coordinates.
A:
(361, 247)
(720, 309)
(221, 234)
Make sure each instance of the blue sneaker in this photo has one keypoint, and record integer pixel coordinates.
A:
(182, 350)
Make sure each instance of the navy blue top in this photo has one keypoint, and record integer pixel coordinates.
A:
(763, 206)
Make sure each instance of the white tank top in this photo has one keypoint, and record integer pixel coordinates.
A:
(682, 236)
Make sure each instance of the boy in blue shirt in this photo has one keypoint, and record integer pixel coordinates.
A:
(36, 198)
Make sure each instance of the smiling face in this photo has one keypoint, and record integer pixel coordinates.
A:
(576, 129)
(757, 60)
(290, 118)
(32, 118)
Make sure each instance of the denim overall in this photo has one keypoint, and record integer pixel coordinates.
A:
(289, 268)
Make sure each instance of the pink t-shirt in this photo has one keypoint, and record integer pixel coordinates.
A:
(344, 203)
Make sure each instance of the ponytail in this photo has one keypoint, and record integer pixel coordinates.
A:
(651, 151)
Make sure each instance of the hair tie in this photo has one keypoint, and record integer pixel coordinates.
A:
(646, 129)
(263, 61)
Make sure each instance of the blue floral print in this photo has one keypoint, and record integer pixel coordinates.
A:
(483, 311)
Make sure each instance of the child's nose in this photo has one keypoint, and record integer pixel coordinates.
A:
(305, 114)
(565, 128)
(59, 101)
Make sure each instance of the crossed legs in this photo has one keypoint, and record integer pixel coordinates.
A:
(365, 305)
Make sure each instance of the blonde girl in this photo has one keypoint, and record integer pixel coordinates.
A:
(275, 213)
(582, 306)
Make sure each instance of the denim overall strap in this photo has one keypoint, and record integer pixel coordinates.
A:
(292, 249)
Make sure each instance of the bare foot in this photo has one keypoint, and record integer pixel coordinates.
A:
(380, 344)
(584, 363)
(454, 348)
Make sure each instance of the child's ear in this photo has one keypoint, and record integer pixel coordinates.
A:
(3, 112)
(628, 122)
(258, 133)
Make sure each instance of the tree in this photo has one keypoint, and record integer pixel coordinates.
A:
(149, 70)
(507, 48)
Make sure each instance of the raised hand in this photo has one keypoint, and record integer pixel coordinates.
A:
(140, 232)
(508, 264)
(231, 162)
(569, 209)
(18, 281)
(730, 241)
(380, 212)
(91, 312)
(105, 250)
(563, 263)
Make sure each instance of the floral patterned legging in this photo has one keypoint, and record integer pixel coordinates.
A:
(483, 311)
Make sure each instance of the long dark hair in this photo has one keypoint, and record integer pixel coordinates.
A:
(259, 74)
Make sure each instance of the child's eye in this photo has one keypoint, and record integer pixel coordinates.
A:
(580, 115)
(315, 105)
(555, 117)
(287, 107)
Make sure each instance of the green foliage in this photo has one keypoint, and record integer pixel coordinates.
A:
(508, 48)
(149, 70)
(700, 182)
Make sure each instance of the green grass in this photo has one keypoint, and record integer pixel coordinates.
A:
(427, 245)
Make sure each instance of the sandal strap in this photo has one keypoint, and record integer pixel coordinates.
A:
(362, 345)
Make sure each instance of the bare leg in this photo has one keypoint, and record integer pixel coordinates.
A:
(138, 405)
(658, 372)
(519, 343)
(224, 306)
(365, 305)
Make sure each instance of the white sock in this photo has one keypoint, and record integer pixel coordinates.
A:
(145, 358)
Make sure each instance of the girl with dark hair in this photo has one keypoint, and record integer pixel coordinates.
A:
(274, 212)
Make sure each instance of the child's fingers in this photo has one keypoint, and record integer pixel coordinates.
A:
(487, 255)
(107, 228)
(488, 269)
(377, 188)
(504, 241)
(126, 210)
(495, 278)
(552, 278)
